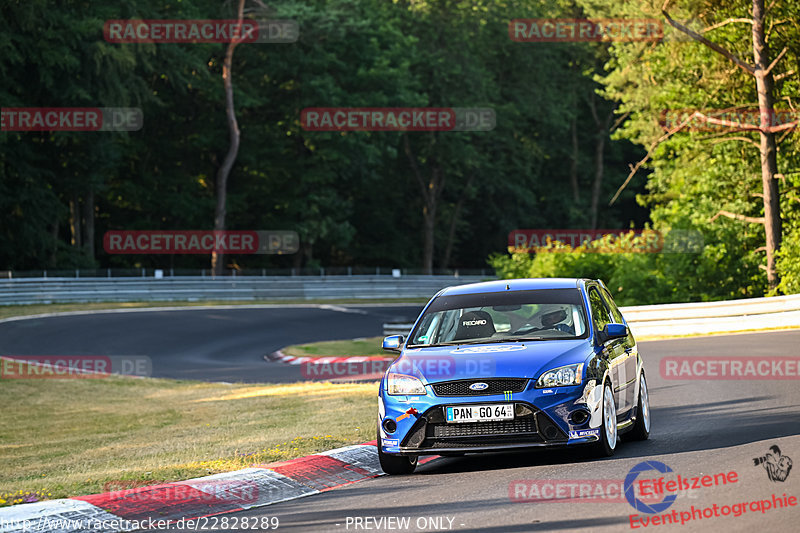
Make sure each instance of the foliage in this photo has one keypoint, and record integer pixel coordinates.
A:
(694, 175)
(651, 275)
(351, 196)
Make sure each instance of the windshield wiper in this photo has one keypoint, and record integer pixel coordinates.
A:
(509, 339)
(486, 341)
(433, 345)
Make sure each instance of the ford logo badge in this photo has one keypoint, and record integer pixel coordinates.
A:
(479, 386)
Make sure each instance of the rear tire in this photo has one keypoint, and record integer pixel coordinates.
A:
(608, 430)
(396, 465)
(641, 428)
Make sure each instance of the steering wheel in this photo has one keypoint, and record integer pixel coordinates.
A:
(564, 328)
(527, 328)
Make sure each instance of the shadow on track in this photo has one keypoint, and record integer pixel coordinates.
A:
(675, 430)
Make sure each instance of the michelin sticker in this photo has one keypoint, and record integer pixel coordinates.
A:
(582, 433)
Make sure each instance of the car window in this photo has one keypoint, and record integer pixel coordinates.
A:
(497, 317)
(615, 312)
(600, 314)
(427, 328)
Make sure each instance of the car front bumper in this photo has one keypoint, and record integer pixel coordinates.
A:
(544, 418)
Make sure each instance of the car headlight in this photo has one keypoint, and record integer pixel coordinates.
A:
(408, 385)
(561, 376)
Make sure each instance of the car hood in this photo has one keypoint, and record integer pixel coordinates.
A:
(512, 359)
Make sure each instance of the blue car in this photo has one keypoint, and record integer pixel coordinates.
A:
(505, 365)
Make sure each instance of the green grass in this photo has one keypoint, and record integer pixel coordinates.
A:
(9, 311)
(68, 437)
(355, 347)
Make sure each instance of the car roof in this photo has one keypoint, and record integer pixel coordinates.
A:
(528, 284)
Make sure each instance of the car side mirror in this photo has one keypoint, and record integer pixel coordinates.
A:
(614, 331)
(392, 343)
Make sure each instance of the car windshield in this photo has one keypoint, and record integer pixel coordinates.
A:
(537, 315)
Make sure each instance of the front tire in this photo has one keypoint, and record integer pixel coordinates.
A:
(396, 465)
(608, 431)
(641, 428)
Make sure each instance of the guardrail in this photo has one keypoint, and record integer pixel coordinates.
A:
(696, 317)
(239, 272)
(714, 317)
(65, 290)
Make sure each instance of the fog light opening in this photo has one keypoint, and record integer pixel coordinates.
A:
(389, 425)
(579, 417)
(550, 432)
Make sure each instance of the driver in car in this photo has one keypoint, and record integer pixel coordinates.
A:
(558, 319)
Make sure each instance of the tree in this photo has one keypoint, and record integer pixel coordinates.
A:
(762, 71)
(217, 258)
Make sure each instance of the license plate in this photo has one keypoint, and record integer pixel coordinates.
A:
(479, 413)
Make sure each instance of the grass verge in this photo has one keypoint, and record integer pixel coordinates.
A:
(69, 437)
(354, 347)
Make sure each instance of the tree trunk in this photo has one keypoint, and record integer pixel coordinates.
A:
(428, 235)
(573, 166)
(761, 71)
(88, 223)
(218, 258)
(430, 206)
(297, 259)
(430, 190)
(599, 148)
(451, 233)
(54, 252)
(767, 148)
(75, 221)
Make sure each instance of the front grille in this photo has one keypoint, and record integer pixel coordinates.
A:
(480, 429)
(496, 386)
(530, 425)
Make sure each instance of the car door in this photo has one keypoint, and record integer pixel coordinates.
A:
(613, 349)
(630, 356)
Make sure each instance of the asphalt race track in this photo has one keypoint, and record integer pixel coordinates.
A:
(699, 427)
(205, 344)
